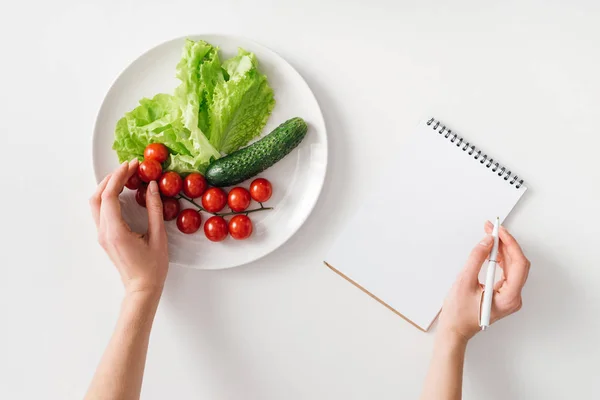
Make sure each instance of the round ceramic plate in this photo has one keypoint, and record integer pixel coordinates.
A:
(297, 179)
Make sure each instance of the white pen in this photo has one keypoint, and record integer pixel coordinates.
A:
(488, 292)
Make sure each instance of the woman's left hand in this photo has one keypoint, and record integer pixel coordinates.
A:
(141, 259)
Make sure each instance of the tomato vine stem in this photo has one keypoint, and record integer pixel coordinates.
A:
(200, 208)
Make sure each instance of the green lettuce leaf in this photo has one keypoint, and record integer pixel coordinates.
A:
(199, 71)
(241, 105)
(138, 127)
(158, 120)
(184, 164)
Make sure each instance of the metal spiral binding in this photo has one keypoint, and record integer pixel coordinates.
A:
(471, 150)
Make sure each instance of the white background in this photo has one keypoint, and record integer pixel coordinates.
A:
(521, 78)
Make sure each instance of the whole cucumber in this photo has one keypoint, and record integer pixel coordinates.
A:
(252, 160)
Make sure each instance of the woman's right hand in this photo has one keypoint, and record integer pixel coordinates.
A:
(460, 313)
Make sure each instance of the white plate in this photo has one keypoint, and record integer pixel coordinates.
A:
(297, 179)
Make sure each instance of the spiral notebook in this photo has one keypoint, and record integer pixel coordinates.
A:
(436, 195)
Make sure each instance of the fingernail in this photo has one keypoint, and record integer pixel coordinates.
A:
(153, 187)
(124, 164)
(133, 162)
(488, 222)
(487, 241)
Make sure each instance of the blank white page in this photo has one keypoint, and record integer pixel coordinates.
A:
(442, 197)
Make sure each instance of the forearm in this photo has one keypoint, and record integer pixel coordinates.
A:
(119, 375)
(444, 379)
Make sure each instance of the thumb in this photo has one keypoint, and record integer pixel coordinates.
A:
(478, 255)
(156, 224)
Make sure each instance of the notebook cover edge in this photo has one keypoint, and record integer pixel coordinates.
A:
(377, 298)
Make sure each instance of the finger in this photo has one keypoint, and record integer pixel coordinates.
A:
(501, 256)
(508, 242)
(516, 278)
(156, 224)
(517, 270)
(504, 304)
(499, 284)
(478, 255)
(110, 208)
(120, 177)
(511, 245)
(96, 200)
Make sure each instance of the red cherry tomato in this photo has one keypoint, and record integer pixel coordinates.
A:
(240, 227)
(194, 185)
(189, 220)
(261, 190)
(170, 184)
(149, 170)
(214, 199)
(238, 199)
(171, 208)
(215, 229)
(140, 195)
(157, 152)
(134, 181)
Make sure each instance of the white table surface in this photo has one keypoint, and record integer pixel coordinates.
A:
(521, 78)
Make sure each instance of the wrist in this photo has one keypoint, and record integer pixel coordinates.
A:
(146, 300)
(143, 288)
(451, 340)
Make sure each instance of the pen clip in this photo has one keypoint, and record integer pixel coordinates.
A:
(480, 304)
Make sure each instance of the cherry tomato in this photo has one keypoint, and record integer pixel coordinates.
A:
(238, 199)
(157, 152)
(134, 182)
(261, 190)
(189, 220)
(194, 185)
(170, 184)
(149, 170)
(215, 229)
(214, 199)
(140, 195)
(240, 227)
(171, 208)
